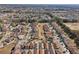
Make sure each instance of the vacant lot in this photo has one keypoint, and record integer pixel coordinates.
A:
(73, 26)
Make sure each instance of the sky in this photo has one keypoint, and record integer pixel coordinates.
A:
(39, 1)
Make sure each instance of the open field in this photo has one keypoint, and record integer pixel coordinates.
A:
(7, 49)
(73, 26)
